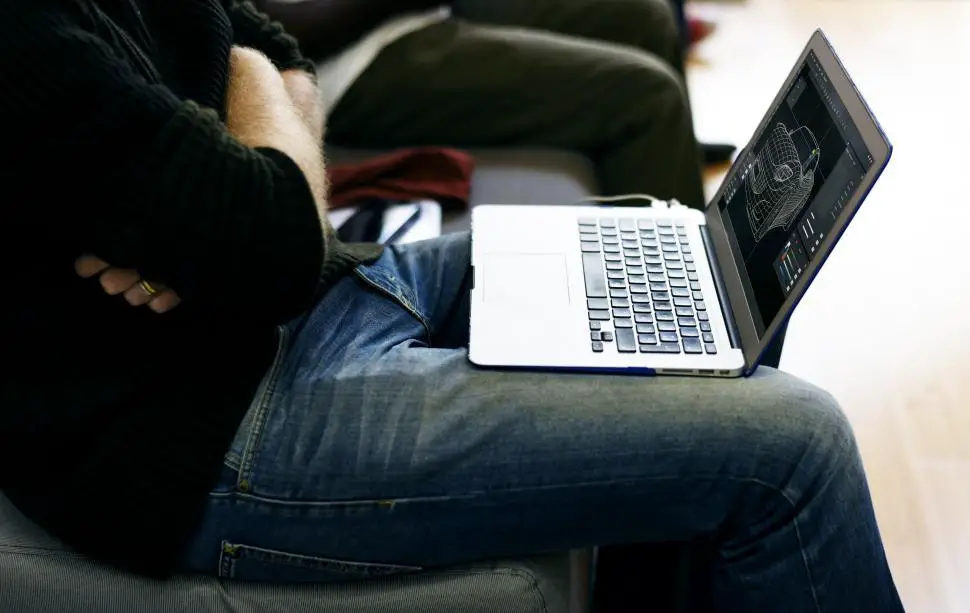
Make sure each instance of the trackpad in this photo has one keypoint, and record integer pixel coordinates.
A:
(525, 280)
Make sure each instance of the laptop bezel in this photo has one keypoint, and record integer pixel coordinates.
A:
(753, 344)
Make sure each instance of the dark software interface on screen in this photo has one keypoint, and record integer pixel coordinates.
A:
(790, 186)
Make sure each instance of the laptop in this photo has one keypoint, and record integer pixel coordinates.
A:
(657, 288)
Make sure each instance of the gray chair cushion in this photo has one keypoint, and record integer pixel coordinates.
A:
(40, 575)
(512, 176)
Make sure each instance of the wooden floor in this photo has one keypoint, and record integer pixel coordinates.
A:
(886, 327)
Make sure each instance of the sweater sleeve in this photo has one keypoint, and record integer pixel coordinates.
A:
(253, 28)
(147, 181)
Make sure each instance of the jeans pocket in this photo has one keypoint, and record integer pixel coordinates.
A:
(248, 563)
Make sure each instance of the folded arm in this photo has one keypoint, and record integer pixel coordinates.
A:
(148, 182)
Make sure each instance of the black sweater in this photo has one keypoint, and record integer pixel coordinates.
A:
(114, 420)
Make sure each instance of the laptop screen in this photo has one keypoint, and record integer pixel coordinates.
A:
(788, 187)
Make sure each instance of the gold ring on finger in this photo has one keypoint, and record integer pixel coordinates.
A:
(149, 289)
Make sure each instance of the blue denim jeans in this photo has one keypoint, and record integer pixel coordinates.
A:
(374, 448)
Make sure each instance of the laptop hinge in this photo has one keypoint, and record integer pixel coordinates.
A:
(722, 294)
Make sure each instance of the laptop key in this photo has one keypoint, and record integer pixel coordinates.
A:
(614, 266)
(666, 326)
(689, 333)
(664, 316)
(682, 302)
(615, 274)
(622, 313)
(680, 292)
(617, 293)
(597, 346)
(625, 322)
(702, 316)
(640, 299)
(606, 222)
(698, 295)
(595, 336)
(620, 303)
(590, 247)
(587, 221)
(686, 322)
(597, 304)
(669, 337)
(595, 325)
(637, 278)
(705, 326)
(678, 283)
(621, 283)
(613, 257)
(684, 312)
(639, 289)
(662, 306)
(695, 286)
(608, 231)
(692, 276)
(707, 337)
(690, 267)
(692, 345)
(688, 258)
(661, 348)
(646, 328)
(593, 275)
(676, 274)
(607, 336)
(710, 348)
(658, 287)
(647, 339)
(626, 340)
(700, 306)
(599, 315)
(643, 318)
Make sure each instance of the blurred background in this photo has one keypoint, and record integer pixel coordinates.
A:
(891, 311)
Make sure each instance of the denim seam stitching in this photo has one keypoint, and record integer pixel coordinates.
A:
(403, 300)
(375, 502)
(251, 450)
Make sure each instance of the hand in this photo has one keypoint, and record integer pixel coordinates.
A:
(127, 282)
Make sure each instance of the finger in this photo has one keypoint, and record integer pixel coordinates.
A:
(165, 301)
(118, 280)
(88, 265)
(137, 295)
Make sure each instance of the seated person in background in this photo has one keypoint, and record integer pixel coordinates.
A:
(603, 77)
(199, 378)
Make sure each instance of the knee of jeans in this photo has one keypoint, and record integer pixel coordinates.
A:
(814, 433)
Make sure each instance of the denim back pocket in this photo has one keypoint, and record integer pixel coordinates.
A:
(247, 563)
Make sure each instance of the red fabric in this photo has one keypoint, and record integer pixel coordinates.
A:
(439, 174)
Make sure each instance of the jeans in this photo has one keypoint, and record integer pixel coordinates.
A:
(375, 448)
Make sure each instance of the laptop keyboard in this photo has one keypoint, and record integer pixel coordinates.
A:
(642, 288)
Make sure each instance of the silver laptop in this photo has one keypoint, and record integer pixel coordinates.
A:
(669, 290)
